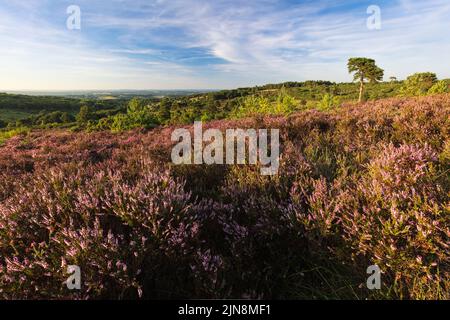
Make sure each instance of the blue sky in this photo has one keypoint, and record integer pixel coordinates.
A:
(173, 44)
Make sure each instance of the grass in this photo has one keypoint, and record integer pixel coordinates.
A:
(5, 135)
(9, 115)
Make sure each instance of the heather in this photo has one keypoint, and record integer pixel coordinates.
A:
(358, 185)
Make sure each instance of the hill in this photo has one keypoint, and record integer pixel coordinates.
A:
(123, 110)
(109, 110)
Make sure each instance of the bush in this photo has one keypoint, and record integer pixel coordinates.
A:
(84, 115)
(418, 84)
(328, 102)
(439, 87)
(259, 105)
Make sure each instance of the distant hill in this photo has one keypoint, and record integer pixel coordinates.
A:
(117, 94)
(184, 106)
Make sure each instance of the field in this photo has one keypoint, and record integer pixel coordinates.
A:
(358, 185)
(12, 115)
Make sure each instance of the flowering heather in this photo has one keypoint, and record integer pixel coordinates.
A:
(359, 185)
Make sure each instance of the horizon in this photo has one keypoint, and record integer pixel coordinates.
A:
(106, 90)
(48, 46)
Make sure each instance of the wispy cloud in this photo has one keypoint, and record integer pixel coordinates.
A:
(211, 44)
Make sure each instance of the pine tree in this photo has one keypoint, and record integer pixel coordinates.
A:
(364, 69)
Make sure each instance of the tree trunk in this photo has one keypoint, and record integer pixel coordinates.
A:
(361, 90)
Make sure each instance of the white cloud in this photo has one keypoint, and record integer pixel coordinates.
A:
(258, 42)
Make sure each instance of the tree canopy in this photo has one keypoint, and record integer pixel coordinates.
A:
(364, 69)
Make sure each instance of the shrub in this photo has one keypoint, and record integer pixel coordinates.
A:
(418, 84)
(328, 102)
(439, 87)
(405, 228)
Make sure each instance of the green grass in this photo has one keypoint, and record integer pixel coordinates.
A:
(7, 134)
(9, 115)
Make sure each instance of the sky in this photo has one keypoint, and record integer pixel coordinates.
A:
(196, 44)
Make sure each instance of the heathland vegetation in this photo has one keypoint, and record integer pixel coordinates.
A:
(91, 183)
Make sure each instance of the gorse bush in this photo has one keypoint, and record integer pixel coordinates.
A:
(357, 185)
